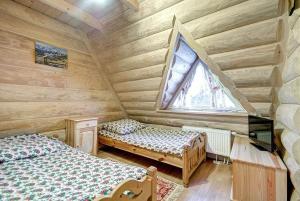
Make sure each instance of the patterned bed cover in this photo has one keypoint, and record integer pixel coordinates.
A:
(66, 175)
(163, 140)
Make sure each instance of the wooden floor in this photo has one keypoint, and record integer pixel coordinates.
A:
(210, 182)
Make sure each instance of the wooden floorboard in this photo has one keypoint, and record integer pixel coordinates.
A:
(210, 182)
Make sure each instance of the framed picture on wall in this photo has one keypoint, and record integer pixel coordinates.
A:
(50, 55)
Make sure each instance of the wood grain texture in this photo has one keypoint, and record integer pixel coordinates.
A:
(291, 141)
(35, 32)
(292, 69)
(258, 94)
(187, 116)
(263, 108)
(192, 157)
(133, 4)
(252, 35)
(138, 74)
(295, 196)
(255, 56)
(289, 115)
(242, 37)
(154, 42)
(236, 16)
(75, 12)
(38, 98)
(248, 162)
(290, 92)
(294, 169)
(150, 84)
(149, 59)
(185, 11)
(254, 76)
(33, 110)
(138, 96)
(292, 44)
(139, 105)
(238, 127)
(37, 18)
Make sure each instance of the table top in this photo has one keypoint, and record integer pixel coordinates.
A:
(243, 151)
(83, 118)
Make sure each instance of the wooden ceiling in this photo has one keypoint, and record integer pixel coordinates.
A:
(101, 10)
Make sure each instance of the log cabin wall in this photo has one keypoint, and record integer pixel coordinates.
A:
(288, 112)
(37, 98)
(242, 36)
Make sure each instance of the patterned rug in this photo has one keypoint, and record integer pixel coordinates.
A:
(168, 190)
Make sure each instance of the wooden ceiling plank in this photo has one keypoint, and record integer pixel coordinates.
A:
(133, 4)
(75, 12)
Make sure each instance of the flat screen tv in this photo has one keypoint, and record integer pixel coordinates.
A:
(261, 132)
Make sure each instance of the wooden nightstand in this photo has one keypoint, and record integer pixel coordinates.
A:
(81, 133)
(257, 175)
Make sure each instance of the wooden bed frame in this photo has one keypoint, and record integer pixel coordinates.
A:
(143, 190)
(192, 155)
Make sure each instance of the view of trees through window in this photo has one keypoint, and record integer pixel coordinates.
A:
(203, 91)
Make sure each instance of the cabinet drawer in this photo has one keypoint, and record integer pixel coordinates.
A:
(85, 124)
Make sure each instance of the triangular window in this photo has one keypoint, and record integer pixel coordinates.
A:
(203, 91)
(191, 85)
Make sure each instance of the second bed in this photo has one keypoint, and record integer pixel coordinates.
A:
(182, 149)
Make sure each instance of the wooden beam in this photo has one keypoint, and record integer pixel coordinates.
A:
(75, 12)
(133, 4)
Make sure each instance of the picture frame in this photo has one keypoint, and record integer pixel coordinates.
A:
(50, 55)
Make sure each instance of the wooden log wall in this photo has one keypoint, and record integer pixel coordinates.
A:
(242, 36)
(38, 98)
(288, 112)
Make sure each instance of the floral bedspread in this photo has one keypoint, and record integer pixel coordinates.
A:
(65, 175)
(156, 139)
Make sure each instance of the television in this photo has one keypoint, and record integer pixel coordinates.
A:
(261, 132)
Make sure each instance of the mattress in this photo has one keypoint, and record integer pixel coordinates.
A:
(68, 174)
(161, 140)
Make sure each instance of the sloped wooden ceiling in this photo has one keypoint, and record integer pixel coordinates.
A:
(102, 10)
(242, 36)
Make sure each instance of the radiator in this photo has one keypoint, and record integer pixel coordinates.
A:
(218, 141)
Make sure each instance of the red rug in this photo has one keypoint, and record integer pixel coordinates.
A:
(168, 190)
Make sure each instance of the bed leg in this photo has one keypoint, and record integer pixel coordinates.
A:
(152, 172)
(185, 169)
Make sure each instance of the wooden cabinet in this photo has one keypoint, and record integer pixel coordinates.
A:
(257, 175)
(82, 134)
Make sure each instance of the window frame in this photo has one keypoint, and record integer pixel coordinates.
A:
(180, 31)
(238, 106)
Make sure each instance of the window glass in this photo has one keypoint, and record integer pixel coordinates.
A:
(203, 91)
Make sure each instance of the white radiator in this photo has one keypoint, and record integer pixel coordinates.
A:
(218, 141)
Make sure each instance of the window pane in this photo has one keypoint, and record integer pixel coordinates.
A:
(204, 91)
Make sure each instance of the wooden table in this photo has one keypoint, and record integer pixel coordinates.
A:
(257, 175)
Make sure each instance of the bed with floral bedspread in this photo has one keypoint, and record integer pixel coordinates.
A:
(161, 140)
(183, 149)
(35, 167)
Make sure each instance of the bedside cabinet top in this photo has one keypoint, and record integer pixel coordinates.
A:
(82, 118)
